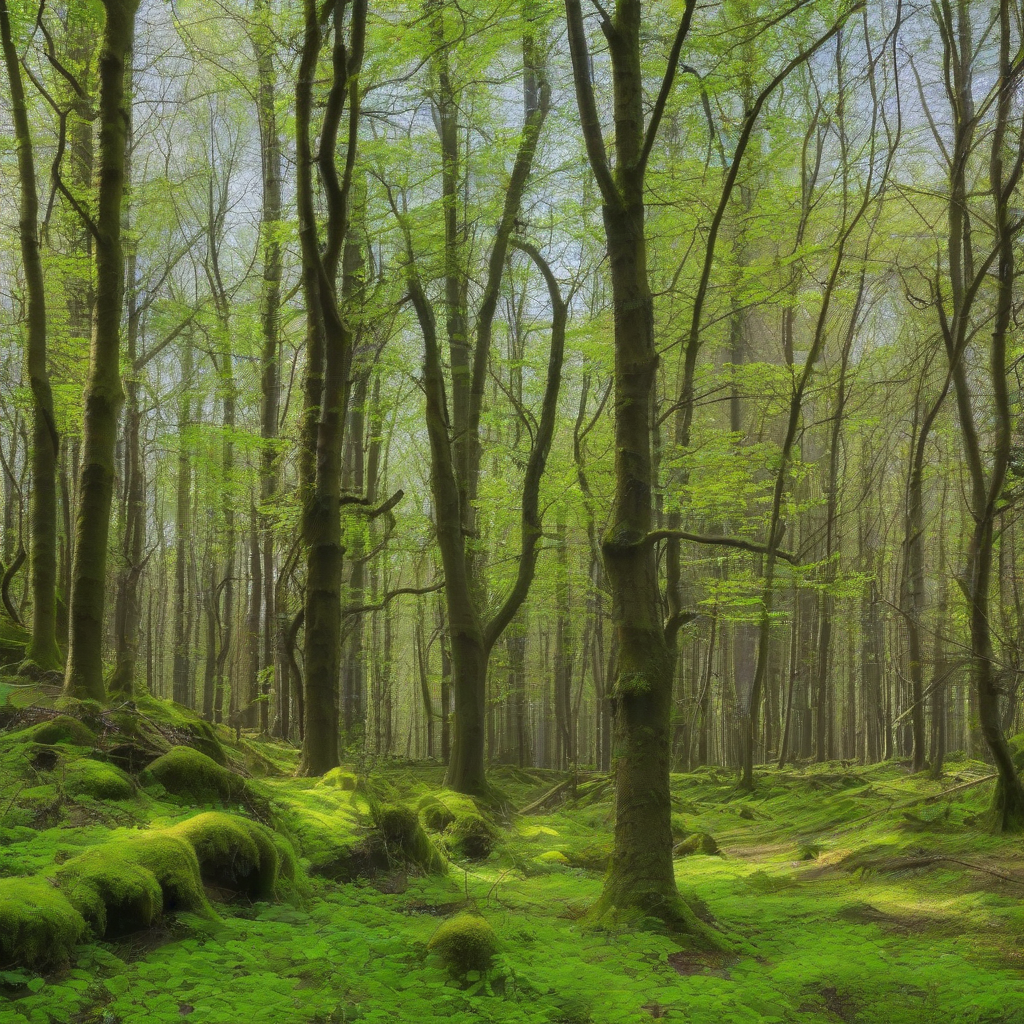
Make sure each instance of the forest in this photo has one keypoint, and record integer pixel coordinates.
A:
(512, 511)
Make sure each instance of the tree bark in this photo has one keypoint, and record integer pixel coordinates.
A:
(103, 396)
(42, 650)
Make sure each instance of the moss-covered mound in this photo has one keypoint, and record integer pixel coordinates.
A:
(124, 885)
(38, 926)
(465, 943)
(237, 854)
(194, 777)
(338, 778)
(436, 815)
(62, 729)
(699, 842)
(399, 830)
(471, 835)
(86, 777)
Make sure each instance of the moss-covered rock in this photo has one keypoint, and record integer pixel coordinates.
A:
(399, 828)
(62, 729)
(194, 777)
(38, 925)
(554, 857)
(699, 842)
(125, 884)
(465, 943)
(234, 853)
(86, 777)
(471, 835)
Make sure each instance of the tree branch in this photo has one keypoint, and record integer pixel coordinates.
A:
(666, 85)
(727, 542)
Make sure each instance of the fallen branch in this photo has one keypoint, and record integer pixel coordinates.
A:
(548, 796)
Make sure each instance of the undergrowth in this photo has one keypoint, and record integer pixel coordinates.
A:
(860, 894)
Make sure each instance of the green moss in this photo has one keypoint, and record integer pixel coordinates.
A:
(13, 641)
(86, 777)
(62, 729)
(194, 777)
(592, 856)
(465, 943)
(436, 816)
(38, 926)
(471, 836)
(339, 779)
(115, 895)
(403, 837)
(699, 842)
(125, 884)
(554, 857)
(234, 853)
(181, 725)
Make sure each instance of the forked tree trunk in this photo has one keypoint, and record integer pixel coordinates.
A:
(329, 356)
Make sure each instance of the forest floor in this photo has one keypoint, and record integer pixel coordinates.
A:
(856, 894)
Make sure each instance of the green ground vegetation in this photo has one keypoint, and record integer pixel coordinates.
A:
(864, 895)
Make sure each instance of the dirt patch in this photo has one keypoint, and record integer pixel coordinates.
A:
(433, 909)
(904, 924)
(688, 962)
(842, 1006)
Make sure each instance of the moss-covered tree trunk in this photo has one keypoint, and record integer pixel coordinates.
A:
(42, 649)
(182, 533)
(641, 877)
(270, 316)
(103, 394)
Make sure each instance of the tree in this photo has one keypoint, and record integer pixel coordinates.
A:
(42, 651)
(104, 395)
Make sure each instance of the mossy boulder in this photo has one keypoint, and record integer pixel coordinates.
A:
(235, 853)
(194, 777)
(62, 729)
(554, 857)
(471, 836)
(38, 925)
(403, 838)
(465, 943)
(125, 884)
(86, 777)
(699, 842)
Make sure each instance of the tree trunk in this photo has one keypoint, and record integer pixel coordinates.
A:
(103, 395)
(42, 651)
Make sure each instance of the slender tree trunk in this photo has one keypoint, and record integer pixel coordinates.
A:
(103, 396)
(42, 651)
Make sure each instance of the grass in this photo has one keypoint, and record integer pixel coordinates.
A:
(850, 897)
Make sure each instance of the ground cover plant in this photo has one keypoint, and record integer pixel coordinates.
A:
(846, 892)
